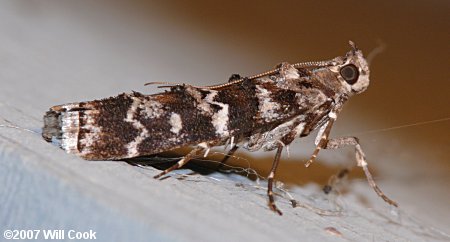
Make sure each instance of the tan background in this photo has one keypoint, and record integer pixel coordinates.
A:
(53, 52)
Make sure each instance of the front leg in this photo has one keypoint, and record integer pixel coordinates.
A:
(323, 142)
(361, 161)
(322, 137)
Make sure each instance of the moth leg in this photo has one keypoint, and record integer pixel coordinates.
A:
(181, 162)
(276, 160)
(321, 139)
(335, 179)
(361, 162)
(227, 156)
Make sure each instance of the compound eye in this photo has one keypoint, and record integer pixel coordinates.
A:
(350, 73)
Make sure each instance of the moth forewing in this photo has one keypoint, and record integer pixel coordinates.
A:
(265, 111)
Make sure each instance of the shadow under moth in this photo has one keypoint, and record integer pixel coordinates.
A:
(265, 111)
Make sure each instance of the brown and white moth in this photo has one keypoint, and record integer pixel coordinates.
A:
(266, 111)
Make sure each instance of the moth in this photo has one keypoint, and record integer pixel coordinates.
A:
(266, 112)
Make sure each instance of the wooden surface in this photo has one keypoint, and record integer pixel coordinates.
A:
(52, 53)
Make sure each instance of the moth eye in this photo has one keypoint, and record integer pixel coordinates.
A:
(350, 73)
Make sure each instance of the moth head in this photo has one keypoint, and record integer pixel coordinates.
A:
(353, 71)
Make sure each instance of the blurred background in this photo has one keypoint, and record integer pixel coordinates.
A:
(53, 52)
